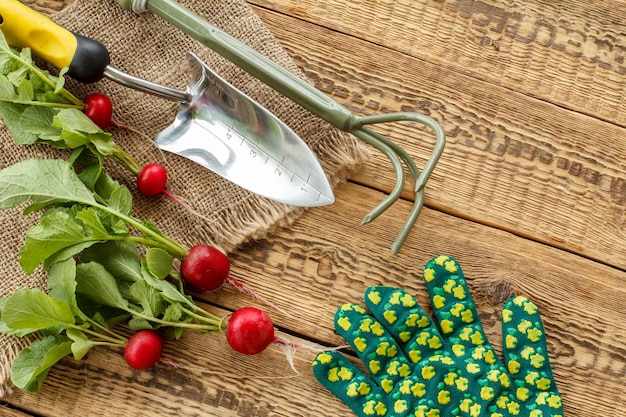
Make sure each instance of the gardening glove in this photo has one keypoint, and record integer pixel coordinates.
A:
(420, 368)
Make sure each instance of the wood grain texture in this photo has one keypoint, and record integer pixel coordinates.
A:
(529, 196)
(310, 270)
(511, 160)
(568, 53)
(7, 411)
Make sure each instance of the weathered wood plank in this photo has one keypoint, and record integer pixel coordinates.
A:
(548, 174)
(499, 139)
(571, 55)
(579, 299)
(511, 161)
(210, 382)
(7, 411)
(324, 261)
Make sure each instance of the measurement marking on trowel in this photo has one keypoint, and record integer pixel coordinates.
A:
(249, 154)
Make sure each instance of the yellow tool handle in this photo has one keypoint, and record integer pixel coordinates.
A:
(24, 27)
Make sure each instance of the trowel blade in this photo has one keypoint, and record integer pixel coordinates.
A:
(229, 133)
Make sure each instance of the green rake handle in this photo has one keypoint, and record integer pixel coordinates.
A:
(311, 99)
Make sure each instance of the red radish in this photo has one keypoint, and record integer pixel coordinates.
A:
(151, 181)
(99, 108)
(250, 331)
(205, 268)
(143, 349)
(152, 178)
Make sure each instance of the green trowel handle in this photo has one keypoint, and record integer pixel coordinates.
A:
(24, 27)
(249, 60)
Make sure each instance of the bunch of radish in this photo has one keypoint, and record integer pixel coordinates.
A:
(250, 331)
(204, 268)
(89, 203)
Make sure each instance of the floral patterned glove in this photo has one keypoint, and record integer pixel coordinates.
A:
(419, 368)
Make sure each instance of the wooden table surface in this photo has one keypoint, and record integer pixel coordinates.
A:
(529, 196)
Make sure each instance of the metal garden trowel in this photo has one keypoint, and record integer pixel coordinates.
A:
(217, 125)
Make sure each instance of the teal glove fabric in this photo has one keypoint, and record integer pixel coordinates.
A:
(425, 369)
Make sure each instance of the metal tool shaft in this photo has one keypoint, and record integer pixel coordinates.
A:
(145, 86)
(250, 61)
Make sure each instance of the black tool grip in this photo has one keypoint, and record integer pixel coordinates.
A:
(89, 61)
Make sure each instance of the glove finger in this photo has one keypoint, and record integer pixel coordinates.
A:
(349, 384)
(526, 353)
(453, 305)
(381, 355)
(406, 321)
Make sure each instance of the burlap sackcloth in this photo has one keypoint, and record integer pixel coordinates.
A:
(146, 46)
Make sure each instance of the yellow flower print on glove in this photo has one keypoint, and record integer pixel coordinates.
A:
(420, 368)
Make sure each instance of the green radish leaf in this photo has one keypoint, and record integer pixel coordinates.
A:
(91, 220)
(31, 366)
(73, 140)
(105, 316)
(66, 253)
(7, 89)
(90, 175)
(31, 308)
(159, 262)
(26, 56)
(118, 198)
(136, 324)
(25, 91)
(81, 344)
(120, 258)
(173, 312)
(11, 114)
(4, 46)
(52, 331)
(95, 282)
(43, 182)
(168, 291)
(5, 329)
(17, 76)
(105, 186)
(61, 80)
(38, 121)
(74, 120)
(47, 96)
(42, 88)
(55, 238)
(104, 143)
(7, 63)
(121, 200)
(174, 333)
(148, 297)
(62, 281)
(124, 288)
